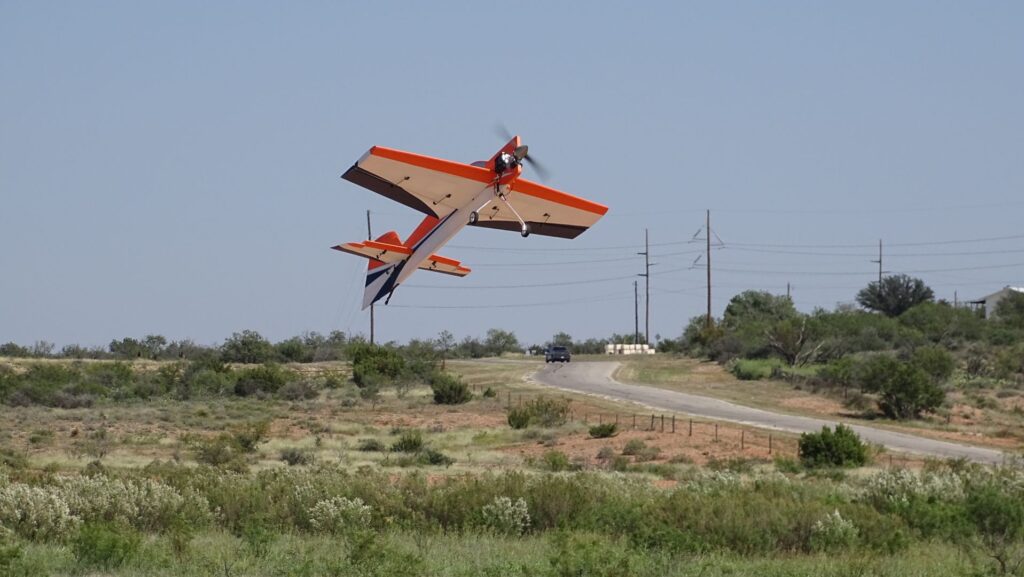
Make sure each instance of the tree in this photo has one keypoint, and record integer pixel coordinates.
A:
(1010, 310)
(894, 295)
(561, 339)
(445, 342)
(757, 307)
(792, 340)
(499, 341)
(247, 347)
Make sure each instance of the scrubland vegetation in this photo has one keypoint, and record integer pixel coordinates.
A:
(329, 456)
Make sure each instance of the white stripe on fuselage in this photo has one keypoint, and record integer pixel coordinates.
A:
(445, 230)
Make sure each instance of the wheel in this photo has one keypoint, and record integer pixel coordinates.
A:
(526, 230)
(473, 217)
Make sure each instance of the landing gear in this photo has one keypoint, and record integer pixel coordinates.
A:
(526, 230)
(473, 217)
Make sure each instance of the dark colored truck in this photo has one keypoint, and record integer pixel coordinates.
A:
(560, 354)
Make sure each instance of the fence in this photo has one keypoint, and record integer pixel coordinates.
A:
(685, 428)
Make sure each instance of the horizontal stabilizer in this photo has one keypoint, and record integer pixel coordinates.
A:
(386, 253)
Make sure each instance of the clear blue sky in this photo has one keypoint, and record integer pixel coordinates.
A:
(173, 168)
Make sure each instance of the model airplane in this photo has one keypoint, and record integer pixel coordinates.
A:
(453, 195)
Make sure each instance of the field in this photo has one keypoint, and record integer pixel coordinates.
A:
(339, 482)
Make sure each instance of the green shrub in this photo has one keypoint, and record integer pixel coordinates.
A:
(250, 435)
(753, 369)
(577, 555)
(555, 461)
(371, 363)
(267, 379)
(633, 447)
(371, 445)
(839, 448)
(603, 431)
(105, 546)
(519, 417)
(220, 451)
(409, 441)
(935, 361)
(542, 412)
(449, 389)
(429, 456)
(489, 393)
(294, 456)
(298, 391)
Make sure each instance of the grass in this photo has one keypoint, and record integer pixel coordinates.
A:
(439, 555)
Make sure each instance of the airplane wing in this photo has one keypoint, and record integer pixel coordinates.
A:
(387, 253)
(430, 185)
(548, 211)
(438, 187)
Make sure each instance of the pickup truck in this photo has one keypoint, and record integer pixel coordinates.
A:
(560, 354)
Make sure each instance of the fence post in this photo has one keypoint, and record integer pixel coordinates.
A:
(652, 421)
(716, 432)
(509, 404)
(616, 419)
(673, 423)
(690, 434)
(663, 422)
(743, 439)
(600, 419)
(634, 421)
(769, 443)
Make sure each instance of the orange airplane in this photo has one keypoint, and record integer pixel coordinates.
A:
(452, 195)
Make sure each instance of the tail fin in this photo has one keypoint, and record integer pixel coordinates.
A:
(382, 275)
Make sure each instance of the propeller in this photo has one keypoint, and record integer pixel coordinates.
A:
(522, 153)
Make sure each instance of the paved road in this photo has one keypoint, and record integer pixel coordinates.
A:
(595, 378)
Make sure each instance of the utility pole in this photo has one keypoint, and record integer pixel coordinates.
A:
(707, 231)
(788, 296)
(647, 288)
(879, 261)
(369, 236)
(636, 315)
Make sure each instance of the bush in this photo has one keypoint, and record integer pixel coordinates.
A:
(935, 361)
(555, 461)
(371, 445)
(429, 456)
(294, 456)
(250, 435)
(506, 517)
(753, 370)
(633, 447)
(373, 364)
(105, 546)
(839, 448)
(410, 441)
(266, 378)
(339, 515)
(519, 418)
(603, 431)
(298, 391)
(449, 389)
(539, 412)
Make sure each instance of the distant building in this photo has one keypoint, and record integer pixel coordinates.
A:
(991, 301)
